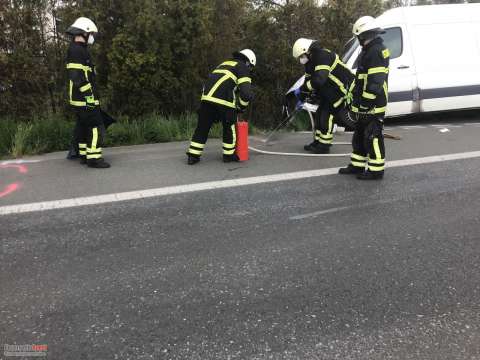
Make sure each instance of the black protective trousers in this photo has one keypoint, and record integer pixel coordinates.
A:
(368, 144)
(208, 114)
(90, 133)
(325, 118)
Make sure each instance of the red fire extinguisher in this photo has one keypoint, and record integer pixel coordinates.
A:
(242, 140)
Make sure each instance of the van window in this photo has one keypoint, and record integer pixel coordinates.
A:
(392, 39)
(349, 49)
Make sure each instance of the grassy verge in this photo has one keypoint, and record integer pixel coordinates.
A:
(54, 133)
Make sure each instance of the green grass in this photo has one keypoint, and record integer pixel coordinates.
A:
(53, 133)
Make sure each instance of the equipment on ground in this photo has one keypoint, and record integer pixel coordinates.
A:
(242, 140)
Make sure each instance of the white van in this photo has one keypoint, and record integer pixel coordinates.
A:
(435, 57)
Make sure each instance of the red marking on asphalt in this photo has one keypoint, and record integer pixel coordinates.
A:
(21, 168)
(9, 189)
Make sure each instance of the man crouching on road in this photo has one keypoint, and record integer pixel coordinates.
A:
(226, 92)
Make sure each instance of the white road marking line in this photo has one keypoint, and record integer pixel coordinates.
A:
(18, 161)
(212, 185)
(444, 130)
(410, 127)
(446, 125)
(472, 123)
(321, 212)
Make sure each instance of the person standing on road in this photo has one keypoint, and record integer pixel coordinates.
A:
(226, 92)
(369, 103)
(327, 80)
(82, 92)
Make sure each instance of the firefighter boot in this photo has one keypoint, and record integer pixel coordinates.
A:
(73, 153)
(351, 170)
(192, 159)
(321, 149)
(97, 164)
(370, 175)
(311, 146)
(230, 158)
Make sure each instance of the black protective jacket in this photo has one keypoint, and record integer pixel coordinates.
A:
(81, 75)
(327, 76)
(370, 88)
(229, 85)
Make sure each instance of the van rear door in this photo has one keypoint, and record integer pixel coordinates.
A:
(402, 82)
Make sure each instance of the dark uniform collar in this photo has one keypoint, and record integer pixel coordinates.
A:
(84, 44)
(377, 40)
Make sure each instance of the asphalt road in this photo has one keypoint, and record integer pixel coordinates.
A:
(316, 268)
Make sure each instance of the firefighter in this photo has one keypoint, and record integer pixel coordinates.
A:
(369, 102)
(82, 93)
(226, 92)
(327, 80)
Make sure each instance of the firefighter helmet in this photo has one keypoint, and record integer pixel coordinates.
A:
(82, 25)
(301, 47)
(250, 55)
(366, 24)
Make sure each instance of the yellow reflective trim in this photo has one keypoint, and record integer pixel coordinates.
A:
(330, 124)
(326, 142)
(75, 66)
(378, 110)
(338, 103)
(376, 148)
(194, 152)
(234, 134)
(218, 83)
(385, 90)
(82, 145)
(358, 164)
(377, 70)
(376, 162)
(229, 63)
(339, 83)
(228, 146)
(218, 101)
(78, 103)
(362, 76)
(322, 67)
(70, 91)
(86, 87)
(376, 168)
(228, 152)
(82, 152)
(368, 95)
(386, 53)
(358, 157)
(244, 80)
(94, 156)
(226, 72)
(309, 85)
(197, 145)
(94, 139)
(243, 103)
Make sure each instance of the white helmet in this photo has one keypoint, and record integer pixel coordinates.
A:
(250, 55)
(364, 24)
(82, 25)
(301, 47)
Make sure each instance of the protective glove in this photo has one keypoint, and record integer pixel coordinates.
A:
(241, 109)
(90, 100)
(297, 93)
(299, 105)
